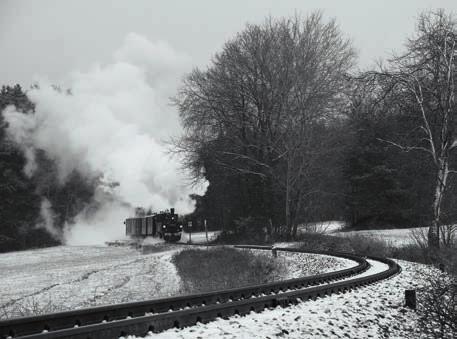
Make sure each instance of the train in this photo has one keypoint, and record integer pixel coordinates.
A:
(163, 225)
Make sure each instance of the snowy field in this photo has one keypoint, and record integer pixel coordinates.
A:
(199, 237)
(375, 311)
(69, 277)
(394, 237)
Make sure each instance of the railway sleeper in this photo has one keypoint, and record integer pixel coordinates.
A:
(161, 323)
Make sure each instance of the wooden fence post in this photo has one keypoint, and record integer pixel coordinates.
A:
(274, 251)
(410, 299)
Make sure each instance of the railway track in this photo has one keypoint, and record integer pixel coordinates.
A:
(156, 315)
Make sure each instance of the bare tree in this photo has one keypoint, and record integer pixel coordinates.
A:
(422, 82)
(260, 101)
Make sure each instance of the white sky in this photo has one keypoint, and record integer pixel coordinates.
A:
(54, 37)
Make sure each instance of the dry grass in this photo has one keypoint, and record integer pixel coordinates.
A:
(30, 306)
(417, 251)
(204, 270)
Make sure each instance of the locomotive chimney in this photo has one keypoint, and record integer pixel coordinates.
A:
(172, 210)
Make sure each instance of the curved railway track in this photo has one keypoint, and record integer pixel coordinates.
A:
(156, 315)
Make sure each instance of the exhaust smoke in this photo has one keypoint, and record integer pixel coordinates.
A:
(112, 121)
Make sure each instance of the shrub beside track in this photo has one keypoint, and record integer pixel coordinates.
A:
(139, 318)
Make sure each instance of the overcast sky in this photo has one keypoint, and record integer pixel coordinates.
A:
(51, 38)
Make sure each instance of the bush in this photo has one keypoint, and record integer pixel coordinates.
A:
(322, 242)
(250, 230)
(438, 307)
(203, 270)
(30, 306)
(359, 244)
(367, 245)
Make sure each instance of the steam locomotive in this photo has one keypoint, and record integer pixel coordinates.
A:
(163, 225)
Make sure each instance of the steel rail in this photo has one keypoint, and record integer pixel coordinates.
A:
(82, 317)
(113, 320)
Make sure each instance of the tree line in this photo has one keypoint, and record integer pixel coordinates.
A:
(287, 131)
(24, 200)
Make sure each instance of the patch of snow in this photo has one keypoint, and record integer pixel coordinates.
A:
(375, 311)
(395, 237)
(152, 241)
(330, 226)
(199, 237)
(292, 244)
(69, 277)
(298, 265)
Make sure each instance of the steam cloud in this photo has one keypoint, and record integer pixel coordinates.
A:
(113, 122)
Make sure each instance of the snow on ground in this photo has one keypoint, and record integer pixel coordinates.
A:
(67, 277)
(375, 311)
(322, 226)
(395, 237)
(298, 265)
(152, 241)
(199, 237)
(72, 277)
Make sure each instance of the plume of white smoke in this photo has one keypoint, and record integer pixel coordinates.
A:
(47, 216)
(114, 122)
(97, 228)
